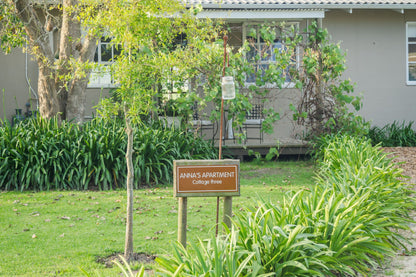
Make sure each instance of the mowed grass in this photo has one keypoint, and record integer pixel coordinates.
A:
(58, 232)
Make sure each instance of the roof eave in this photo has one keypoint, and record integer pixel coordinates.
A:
(261, 14)
(311, 6)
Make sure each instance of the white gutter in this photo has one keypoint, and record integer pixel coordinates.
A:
(261, 13)
(375, 6)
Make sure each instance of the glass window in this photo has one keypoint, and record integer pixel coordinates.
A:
(263, 54)
(104, 56)
(411, 53)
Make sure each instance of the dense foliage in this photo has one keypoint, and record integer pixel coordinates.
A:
(39, 154)
(345, 226)
(394, 135)
(327, 102)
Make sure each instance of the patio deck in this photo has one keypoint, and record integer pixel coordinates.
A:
(287, 147)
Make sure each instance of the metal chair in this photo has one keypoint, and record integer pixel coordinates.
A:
(254, 121)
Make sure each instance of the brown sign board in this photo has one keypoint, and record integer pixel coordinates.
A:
(206, 178)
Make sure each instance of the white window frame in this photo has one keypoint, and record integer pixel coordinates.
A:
(408, 43)
(101, 76)
(246, 25)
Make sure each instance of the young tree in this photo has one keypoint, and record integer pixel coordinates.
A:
(63, 74)
(146, 31)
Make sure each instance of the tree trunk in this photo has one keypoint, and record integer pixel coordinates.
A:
(48, 100)
(57, 95)
(39, 42)
(73, 93)
(75, 105)
(128, 248)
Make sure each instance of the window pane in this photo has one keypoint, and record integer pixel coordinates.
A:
(412, 72)
(106, 54)
(263, 68)
(411, 31)
(117, 51)
(412, 53)
(277, 47)
(251, 78)
(96, 55)
(292, 68)
(262, 55)
(251, 54)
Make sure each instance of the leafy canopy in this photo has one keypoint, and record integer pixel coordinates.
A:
(12, 32)
(147, 32)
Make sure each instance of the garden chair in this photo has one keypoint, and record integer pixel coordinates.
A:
(252, 127)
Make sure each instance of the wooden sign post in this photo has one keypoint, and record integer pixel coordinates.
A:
(203, 178)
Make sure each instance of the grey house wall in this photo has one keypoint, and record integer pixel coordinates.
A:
(14, 83)
(375, 42)
(18, 77)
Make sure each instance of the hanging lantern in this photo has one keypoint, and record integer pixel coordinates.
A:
(228, 87)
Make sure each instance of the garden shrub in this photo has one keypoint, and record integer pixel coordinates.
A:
(345, 226)
(394, 135)
(220, 256)
(40, 154)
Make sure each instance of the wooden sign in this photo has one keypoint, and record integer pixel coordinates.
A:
(206, 178)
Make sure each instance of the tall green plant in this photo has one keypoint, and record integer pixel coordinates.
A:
(394, 134)
(219, 257)
(345, 226)
(281, 245)
(40, 154)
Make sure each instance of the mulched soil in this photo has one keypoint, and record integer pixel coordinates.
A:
(404, 263)
(406, 159)
(137, 257)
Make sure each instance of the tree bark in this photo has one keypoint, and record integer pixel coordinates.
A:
(75, 106)
(73, 93)
(128, 248)
(39, 39)
(48, 100)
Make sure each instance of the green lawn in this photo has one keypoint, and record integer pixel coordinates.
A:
(56, 233)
